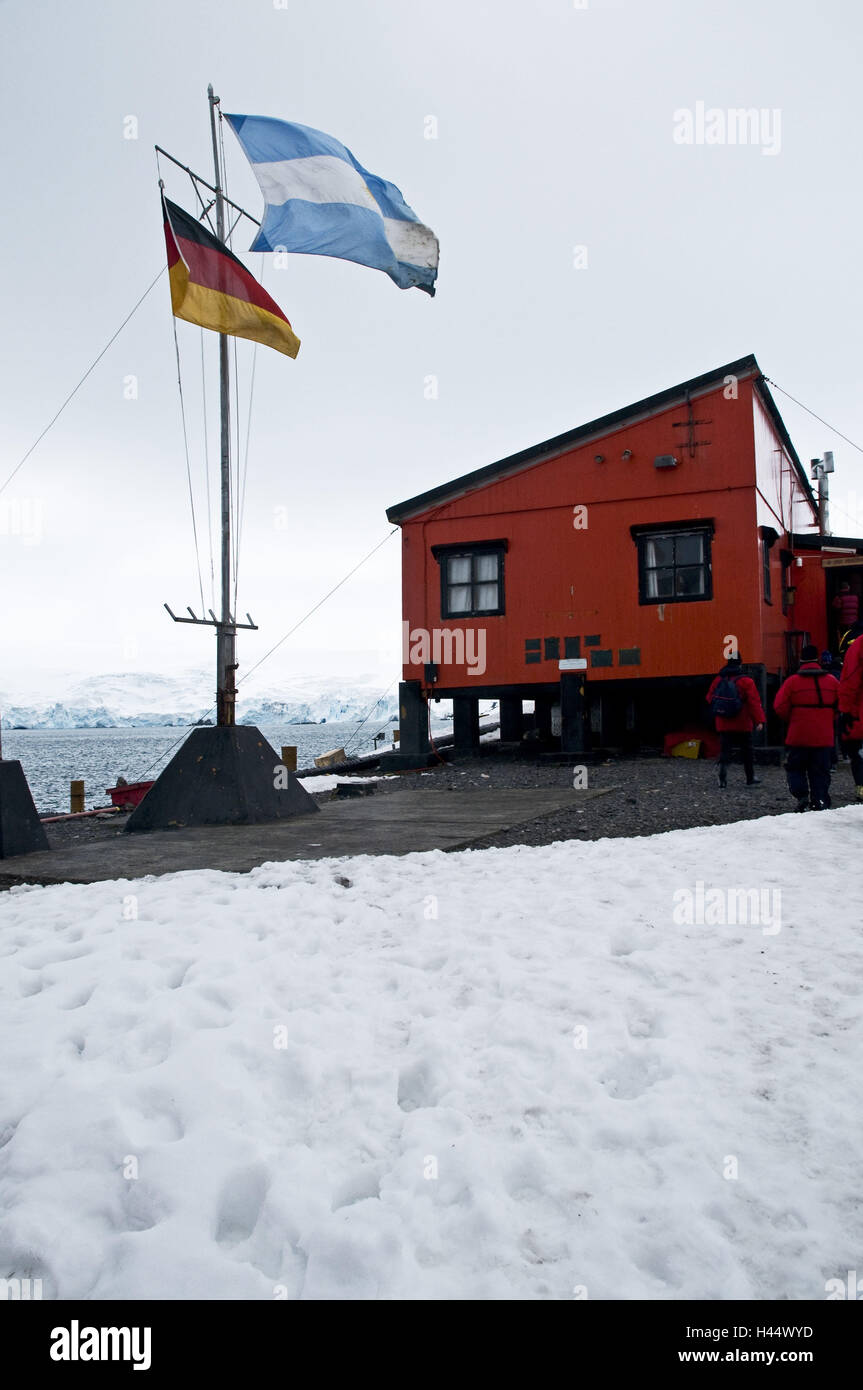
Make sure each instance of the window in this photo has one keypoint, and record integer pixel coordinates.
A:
(786, 560)
(765, 570)
(471, 579)
(769, 537)
(674, 564)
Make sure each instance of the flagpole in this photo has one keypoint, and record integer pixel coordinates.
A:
(222, 775)
(226, 634)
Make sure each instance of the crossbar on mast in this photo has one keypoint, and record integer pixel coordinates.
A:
(212, 621)
(203, 182)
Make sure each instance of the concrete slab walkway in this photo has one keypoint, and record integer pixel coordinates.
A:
(397, 823)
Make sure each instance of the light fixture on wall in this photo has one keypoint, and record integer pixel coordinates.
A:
(627, 454)
(599, 458)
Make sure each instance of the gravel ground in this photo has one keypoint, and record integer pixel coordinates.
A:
(645, 796)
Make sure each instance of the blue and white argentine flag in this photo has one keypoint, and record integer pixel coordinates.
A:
(321, 201)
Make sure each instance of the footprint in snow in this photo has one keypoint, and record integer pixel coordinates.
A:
(240, 1205)
(51, 955)
(417, 1088)
(142, 1209)
(146, 1047)
(7, 1134)
(623, 943)
(631, 1076)
(358, 1187)
(37, 1280)
(176, 972)
(79, 998)
(642, 1023)
(151, 1118)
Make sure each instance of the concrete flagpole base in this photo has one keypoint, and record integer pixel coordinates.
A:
(21, 831)
(226, 775)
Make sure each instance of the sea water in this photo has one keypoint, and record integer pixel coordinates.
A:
(51, 758)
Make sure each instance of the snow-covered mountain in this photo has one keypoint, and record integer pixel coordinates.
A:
(141, 699)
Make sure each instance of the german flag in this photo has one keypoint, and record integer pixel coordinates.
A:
(211, 287)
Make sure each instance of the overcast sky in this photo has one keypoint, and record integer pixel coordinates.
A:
(555, 130)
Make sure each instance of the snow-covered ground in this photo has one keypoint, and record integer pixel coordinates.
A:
(328, 782)
(521, 1073)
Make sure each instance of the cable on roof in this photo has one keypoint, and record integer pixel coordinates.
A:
(819, 418)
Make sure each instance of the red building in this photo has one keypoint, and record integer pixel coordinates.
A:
(610, 571)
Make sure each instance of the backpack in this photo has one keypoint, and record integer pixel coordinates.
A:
(727, 700)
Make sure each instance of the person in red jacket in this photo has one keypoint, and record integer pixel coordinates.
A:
(846, 606)
(735, 726)
(807, 702)
(851, 706)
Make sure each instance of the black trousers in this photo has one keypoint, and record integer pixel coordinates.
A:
(729, 739)
(854, 749)
(808, 772)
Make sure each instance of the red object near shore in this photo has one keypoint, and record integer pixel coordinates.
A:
(130, 795)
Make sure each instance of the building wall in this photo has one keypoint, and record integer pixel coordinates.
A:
(783, 504)
(564, 580)
(809, 612)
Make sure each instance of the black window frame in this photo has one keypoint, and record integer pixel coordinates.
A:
(769, 537)
(786, 561)
(766, 588)
(674, 531)
(471, 550)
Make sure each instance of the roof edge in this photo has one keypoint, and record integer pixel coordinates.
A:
(743, 367)
(816, 541)
(766, 397)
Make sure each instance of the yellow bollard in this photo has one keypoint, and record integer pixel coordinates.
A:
(289, 756)
(76, 796)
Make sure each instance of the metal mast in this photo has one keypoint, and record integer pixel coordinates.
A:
(226, 624)
(222, 775)
(226, 633)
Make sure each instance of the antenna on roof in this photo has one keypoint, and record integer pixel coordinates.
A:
(821, 468)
